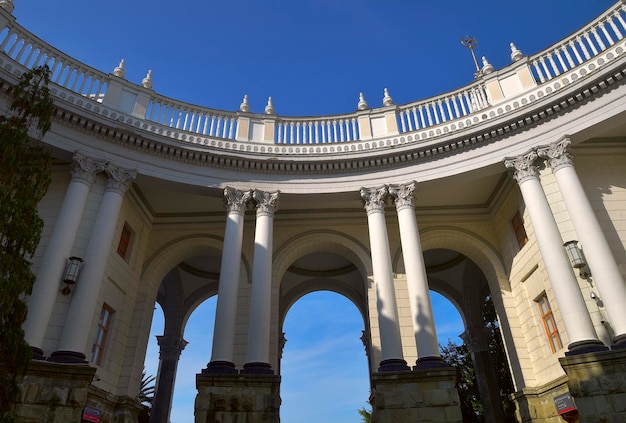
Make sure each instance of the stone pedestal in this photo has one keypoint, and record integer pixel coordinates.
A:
(536, 404)
(55, 393)
(243, 398)
(597, 381)
(425, 395)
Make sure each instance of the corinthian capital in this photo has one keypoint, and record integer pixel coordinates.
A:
(119, 177)
(556, 154)
(374, 198)
(266, 202)
(171, 346)
(236, 199)
(403, 195)
(85, 168)
(523, 167)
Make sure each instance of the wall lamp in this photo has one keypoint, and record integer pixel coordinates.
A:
(70, 277)
(577, 258)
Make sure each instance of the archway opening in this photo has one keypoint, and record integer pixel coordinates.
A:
(324, 367)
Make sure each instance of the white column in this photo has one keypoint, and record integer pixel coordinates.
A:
(79, 317)
(416, 278)
(228, 290)
(261, 295)
(42, 300)
(390, 340)
(570, 301)
(604, 269)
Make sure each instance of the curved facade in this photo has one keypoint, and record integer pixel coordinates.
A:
(470, 193)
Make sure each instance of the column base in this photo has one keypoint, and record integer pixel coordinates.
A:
(420, 396)
(220, 368)
(596, 381)
(393, 365)
(430, 363)
(68, 357)
(584, 347)
(237, 398)
(37, 353)
(257, 368)
(619, 342)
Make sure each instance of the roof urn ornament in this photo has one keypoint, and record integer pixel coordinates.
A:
(269, 109)
(244, 106)
(147, 81)
(119, 71)
(487, 67)
(515, 53)
(387, 100)
(362, 105)
(7, 5)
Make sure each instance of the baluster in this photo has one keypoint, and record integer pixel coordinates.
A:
(54, 68)
(14, 46)
(225, 122)
(473, 100)
(99, 89)
(590, 42)
(443, 114)
(447, 101)
(542, 61)
(185, 113)
(617, 15)
(325, 135)
(483, 96)
(606, 34)
(463, 100)
(317, 132)
(409, 120)
(421, 110)
(201, 117)
(415, 119)
(428, 114)
(433, 107)
(335, 138)
(554, 68)
(568, 57)
(231, 127)
(539, 73)
(594, 31)
(355, 128)
(180, 112)
(38, 59)
(558, 53)
(18, 57)
(298, 139)
(162, 113)
(211, 133)
(310, 129)
(342, 130)
(33, 49)
(84, 81)
(402, 123)
(60, 74)
(78, 75)
(9, 36)
(616, 30)
(581, 43)
(205, 128)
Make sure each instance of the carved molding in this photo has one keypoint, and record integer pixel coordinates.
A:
(236, 200)
(556, 154)
(374, 199)
(523, 166)
(266, 202)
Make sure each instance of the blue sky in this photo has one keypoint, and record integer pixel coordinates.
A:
(313, 58)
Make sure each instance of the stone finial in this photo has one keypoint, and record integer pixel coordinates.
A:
(7, 5)
(147, 81)
(119, 71)
(487, 67)
(362, 105)
(244, 106)
(515, 53)
(387, 100)
(269, 109)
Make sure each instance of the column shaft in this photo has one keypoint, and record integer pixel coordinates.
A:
(604, 269)
(564, 284)
(261, 295)
(79, 317)
(170, 348)
(42, 300)
(417, 280)
(388, 321)
(228, 290)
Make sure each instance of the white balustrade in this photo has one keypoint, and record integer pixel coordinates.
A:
(323, 130)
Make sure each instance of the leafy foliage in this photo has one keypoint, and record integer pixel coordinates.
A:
(366, 415)
(459, 357)
(146, 389)
(24, 180)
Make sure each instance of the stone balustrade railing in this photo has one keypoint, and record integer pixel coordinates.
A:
(492, 94)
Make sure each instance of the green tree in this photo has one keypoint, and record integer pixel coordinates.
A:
(366, 415)
(24, 178)
(459, 357)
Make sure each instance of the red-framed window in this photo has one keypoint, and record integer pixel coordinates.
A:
(126, 238)
(520, 231)
(549, 324)
(102, 334)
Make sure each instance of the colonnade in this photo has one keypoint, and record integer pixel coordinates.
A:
(78, 320)
(606, 275)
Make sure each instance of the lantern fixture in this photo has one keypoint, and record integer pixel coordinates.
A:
(72, 267)
(577, 258)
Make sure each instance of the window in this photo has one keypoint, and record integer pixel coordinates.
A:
(123, 248)
(102, 333)
(520, 232)
(549, 324)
